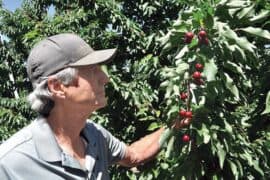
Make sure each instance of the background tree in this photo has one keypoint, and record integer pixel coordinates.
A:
(228, 97)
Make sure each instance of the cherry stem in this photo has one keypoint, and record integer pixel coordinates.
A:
(188, 95)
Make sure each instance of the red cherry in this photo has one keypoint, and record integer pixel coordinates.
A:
(188, 37)
(183, 96)
(182, 113)
(202, 34)
(189, 114)
(199, 81)
(205, 41)
(185, 138)
(196, 75)
(198, 66)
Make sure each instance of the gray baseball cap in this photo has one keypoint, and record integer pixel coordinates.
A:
(61, 51)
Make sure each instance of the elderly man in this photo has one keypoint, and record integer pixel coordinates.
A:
(61, 144)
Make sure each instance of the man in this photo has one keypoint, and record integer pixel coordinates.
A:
(61, 144)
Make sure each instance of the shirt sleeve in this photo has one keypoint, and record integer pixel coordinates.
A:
(4, 173)
(116, 148)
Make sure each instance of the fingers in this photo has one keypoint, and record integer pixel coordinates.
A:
(181, 123)
(186, 121)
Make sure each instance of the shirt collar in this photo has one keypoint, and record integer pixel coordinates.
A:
(89, 134)
(47, 146)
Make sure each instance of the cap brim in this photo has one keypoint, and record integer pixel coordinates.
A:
(96, 57)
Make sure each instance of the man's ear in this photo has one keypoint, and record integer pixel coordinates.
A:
(56, 87)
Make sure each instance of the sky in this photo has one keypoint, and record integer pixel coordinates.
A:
(12, 4)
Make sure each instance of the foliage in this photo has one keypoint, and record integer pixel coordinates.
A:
(230, 136)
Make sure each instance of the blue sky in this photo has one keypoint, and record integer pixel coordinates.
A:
(12, 4)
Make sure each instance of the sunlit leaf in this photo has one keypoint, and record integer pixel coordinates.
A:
(233, 168)
(257, 31)
(170, 147)
(210, 70)
(246, 11)
(221, 155)
(230, 85)
(153, 126)
(182, 52)
(262, 15)
(267, 104)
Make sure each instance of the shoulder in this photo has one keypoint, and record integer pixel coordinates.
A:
(95, 128)
(95, 131)
(15, 141)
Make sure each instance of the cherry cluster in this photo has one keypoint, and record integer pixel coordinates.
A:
(202, 36)
(197, 75)
(186, 115)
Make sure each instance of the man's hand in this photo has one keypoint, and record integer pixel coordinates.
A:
(148, 147)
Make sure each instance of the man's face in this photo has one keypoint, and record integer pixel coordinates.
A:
(88, 89)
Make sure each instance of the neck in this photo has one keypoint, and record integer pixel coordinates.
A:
(67, 125)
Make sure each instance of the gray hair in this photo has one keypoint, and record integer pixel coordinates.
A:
(41, 98)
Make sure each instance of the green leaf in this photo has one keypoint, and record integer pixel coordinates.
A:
(181, 68)
(165, 136)
(257, 31)
(247, 156)
(164, 165)
(164, 83)
(210, 70)
(241, 41)
(168, 91)
(236, 4)
(221, 154)
(241, 52)
(234, 67)
(230, 85)
(233, 168)
(228, 127)
(204, 133)
(182, 52)
(176, 90)
(240, 167)
(170, 147)
(267, 104)
(245, 11)
(257, 168)
(245, 44)
(262, 15)
(153, 126)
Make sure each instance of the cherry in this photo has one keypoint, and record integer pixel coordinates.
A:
(202, 34)
(204, 41)
(183, 96)
(199, 81)
(188, 37)
(198, 66)
(185, 138)
(188, 114)
(182, 113)
(196, 75)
